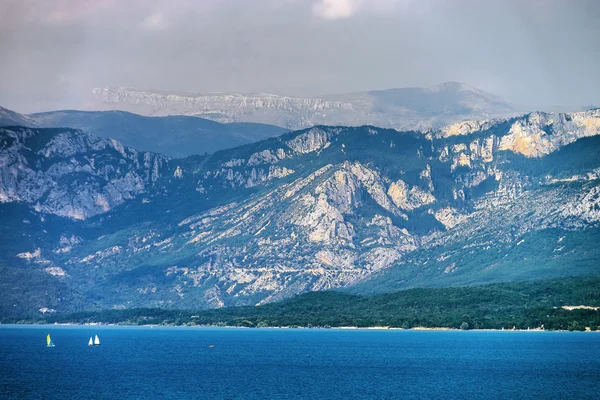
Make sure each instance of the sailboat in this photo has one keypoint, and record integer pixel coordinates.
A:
(49, 342)
(94, 342)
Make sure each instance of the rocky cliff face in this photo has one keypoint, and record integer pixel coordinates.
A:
(71, 174)
(407, 108)
(324, 208)
(534, 135)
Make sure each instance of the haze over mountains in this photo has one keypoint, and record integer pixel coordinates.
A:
(89, 223)
(404, 108)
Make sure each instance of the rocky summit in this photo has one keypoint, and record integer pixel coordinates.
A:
(88, 223)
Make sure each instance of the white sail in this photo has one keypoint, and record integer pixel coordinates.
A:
(91, 342)
(96, 341)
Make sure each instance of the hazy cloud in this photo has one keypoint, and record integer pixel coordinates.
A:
(27, 12)
(340, 9)
(155, 21)
(53, 52)
(334, 9)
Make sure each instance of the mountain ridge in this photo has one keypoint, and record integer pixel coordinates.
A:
(401, 108)
(320, 208)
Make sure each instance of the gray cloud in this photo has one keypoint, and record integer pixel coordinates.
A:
(335, 9)
(529, 51)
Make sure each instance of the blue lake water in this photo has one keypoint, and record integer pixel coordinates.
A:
(165, 363)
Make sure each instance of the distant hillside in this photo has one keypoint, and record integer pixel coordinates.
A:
(403, 108)
(11, 118)
(175, 136)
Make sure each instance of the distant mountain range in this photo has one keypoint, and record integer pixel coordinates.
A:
(88, 223)
(404, 109)
(176, 136)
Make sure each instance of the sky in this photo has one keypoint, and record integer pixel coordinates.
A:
(533, 52)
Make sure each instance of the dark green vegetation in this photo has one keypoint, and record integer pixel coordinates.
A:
(505, 305)
(176, 136)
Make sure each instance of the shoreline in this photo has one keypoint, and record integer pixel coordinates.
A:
(340, 328)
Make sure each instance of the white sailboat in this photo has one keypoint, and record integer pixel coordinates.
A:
(91, 342)
(96, 341)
